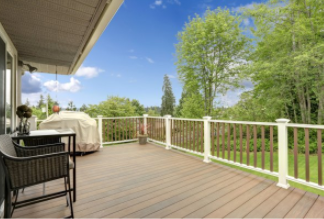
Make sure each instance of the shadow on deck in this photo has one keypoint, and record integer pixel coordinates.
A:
(136, 181)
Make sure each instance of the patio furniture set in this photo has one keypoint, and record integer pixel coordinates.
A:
(37, 158)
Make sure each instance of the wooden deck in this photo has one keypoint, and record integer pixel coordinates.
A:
(148, 181)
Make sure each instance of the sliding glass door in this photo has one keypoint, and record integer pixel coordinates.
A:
(2, 86)
(8, 94)
(2, 109)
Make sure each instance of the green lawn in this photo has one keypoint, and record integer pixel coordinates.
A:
(301, 167)
(301, 163)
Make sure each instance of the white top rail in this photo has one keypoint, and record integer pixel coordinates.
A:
(198, 120)
(246, 122)
(124, 117)
(155, 117)
(295, 125)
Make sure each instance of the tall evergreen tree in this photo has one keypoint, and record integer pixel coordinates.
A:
(41, 102)
(27, 102)
(168, 100)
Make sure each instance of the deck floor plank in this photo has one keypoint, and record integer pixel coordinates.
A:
(136, 181)
(302, 206)
(286, 204)
(317, 210)
(265, 207)
(250, 205)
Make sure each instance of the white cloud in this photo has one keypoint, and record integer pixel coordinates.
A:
(248, 6)
(73, 86)
(33, 98)
(150, 60)
(31, 83)
(172, 76)
(116, 75)
(133, 57)
(177, 2)
(88, 72)
(158, 2)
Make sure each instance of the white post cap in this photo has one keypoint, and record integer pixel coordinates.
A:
(207, 117)
(145, 115)
(100, 116)
(282, 120)
(167, 116)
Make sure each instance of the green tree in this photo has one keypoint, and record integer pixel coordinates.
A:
(71, 106)
(41, 102)
(287, 63)
(114, 106)
(152, 112)
(50, 103)
(168, 99)
(139, 108)
(179, 107)
(156, 109)
(209, 50)
(192, 106)
(251, 107)
(83, 108)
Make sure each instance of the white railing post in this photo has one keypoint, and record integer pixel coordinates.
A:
(283, 152)
(168, 131)
(33, 123)
(206, 139)
(100, 130)
(145, 123)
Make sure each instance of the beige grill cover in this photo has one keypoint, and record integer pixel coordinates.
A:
(87, 134)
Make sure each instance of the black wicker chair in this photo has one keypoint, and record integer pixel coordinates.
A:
(28, 166)
(41, 141)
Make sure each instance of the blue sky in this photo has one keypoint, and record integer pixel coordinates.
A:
(131, 57)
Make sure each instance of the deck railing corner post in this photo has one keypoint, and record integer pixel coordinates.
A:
(33, 123)
(168, 131)
(207, 138)
(283, 152)
(145, 123)
(100, 130)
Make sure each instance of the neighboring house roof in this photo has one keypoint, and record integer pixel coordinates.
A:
(52, 34)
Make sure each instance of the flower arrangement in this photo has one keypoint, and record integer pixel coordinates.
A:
(24, 113)
(142, 136)
(142, 129)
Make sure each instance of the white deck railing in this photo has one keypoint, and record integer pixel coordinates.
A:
(258, 146)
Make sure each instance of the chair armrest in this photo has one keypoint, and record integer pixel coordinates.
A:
(38, 150)
(28, 171)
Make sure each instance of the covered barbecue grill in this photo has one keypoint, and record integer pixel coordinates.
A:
(87, 134)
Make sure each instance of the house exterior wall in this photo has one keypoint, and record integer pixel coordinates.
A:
(7, 47)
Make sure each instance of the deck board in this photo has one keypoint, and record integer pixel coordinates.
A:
(136, 181)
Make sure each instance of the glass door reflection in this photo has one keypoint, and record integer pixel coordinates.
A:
(8, 94)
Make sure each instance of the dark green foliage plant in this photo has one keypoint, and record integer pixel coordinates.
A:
(168, 99)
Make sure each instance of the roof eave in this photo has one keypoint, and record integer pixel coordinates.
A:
(107, 15)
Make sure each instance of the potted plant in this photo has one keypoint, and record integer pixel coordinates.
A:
(142, 136)
(24, 113)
